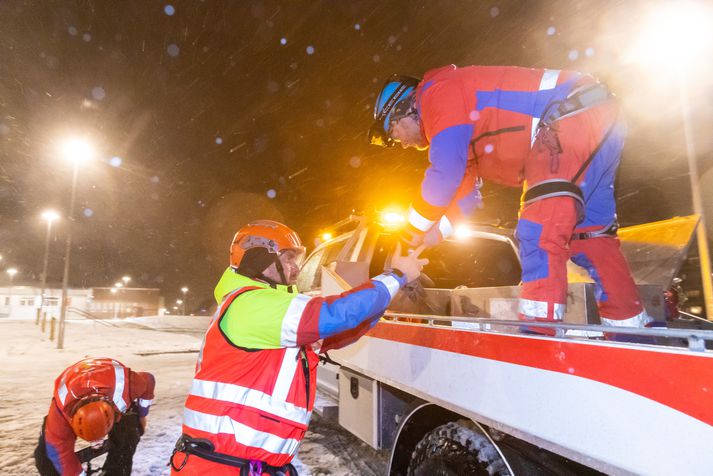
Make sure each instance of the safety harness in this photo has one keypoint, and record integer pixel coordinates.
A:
(204, 448)
(579, 100)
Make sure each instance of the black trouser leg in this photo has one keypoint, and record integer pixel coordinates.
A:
(124, 438)
(42, 461)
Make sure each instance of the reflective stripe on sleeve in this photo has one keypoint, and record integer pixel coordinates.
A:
(247, 397)
(291, 320)
(243, 434)
(392, 284)
(418, 221)
(118, 397)
(445, 227)
(145, 403)
(286, 374)
(548, 81)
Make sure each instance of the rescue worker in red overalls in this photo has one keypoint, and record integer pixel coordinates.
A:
(558, 135)
(92, 399)
(253, 392)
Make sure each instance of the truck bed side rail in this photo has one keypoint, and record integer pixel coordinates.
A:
(695, 339)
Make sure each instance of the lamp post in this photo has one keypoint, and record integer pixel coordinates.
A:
(77, 151)
(113, 303)
(12, 272)
(49, 216)
(183, 306)
(184, 290)
(678, 34)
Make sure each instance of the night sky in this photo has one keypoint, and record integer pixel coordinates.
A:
(205, 115)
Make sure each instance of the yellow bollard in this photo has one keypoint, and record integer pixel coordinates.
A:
(54, 319)
(37, 319)
(44, 321)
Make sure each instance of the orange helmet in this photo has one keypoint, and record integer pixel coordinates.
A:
(93, 419)
(262, 236)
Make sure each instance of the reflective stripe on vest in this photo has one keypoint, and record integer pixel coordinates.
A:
(118, 397)
(247, 397)
(62, 392)
(244, 434)
(200, 414)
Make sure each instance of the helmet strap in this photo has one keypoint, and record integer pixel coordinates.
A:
(280, 270)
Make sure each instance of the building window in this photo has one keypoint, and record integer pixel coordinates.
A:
(27, 301)
(51, 301)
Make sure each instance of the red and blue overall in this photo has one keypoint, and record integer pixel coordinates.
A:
(254, 388)
(122, 386)
(557, 134)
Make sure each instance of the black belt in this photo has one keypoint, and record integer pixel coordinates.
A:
(205, 449)
(608, 231)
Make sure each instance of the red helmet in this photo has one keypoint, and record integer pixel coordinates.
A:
(93, 419)
(263, 234)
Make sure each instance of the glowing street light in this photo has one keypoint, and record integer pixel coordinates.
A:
(679, 34)
(184, 290)
(77, 151)
(49, 216)
(126, 279)
(118, 284)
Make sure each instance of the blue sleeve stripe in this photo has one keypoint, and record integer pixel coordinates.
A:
(349, 310)
(448, 156)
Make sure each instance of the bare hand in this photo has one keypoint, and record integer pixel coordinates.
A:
(410, 265)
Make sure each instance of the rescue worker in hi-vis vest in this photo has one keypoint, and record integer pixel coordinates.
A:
(557, 134)
(254, 387)
(92, 399)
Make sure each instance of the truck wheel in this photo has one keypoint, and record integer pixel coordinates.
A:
(456, 449)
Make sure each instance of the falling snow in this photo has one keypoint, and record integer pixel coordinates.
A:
(98, 93)
(173, 50)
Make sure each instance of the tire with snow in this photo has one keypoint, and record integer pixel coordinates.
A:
(456, 449)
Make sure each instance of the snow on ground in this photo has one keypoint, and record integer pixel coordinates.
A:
(168, 349)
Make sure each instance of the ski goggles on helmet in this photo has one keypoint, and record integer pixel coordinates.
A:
(393, 103)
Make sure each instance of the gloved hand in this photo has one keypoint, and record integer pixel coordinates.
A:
(410, 264)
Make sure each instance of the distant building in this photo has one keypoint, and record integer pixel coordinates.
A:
(21, 302)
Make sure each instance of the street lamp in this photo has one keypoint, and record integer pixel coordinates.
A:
(126, 280)
(113, 302)
(12, 272)
(77, 151)
(676, 37)
(49, 216)
(184, 290)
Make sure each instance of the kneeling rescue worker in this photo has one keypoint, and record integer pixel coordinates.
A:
(92, 399)
(253, 392)
(558, 135)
